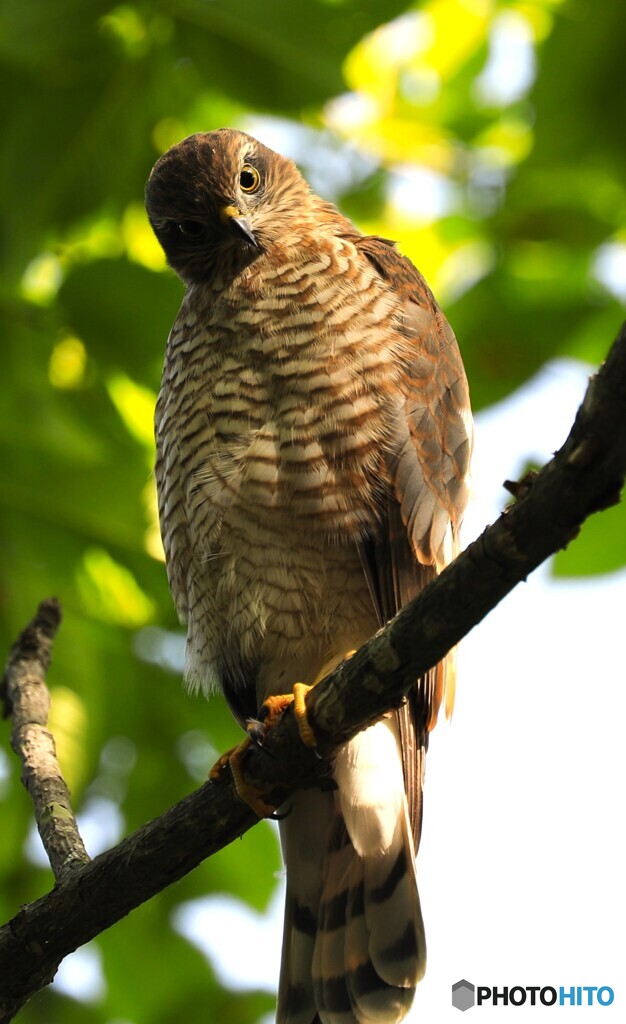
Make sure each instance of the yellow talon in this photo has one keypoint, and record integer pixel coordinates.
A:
(249, 794)
(217, 770)
(307, 735)
(273, 708)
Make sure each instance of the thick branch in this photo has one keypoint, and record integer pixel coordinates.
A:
(585, 476)
(28, 700)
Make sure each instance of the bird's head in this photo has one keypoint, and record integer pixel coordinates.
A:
(219, 199)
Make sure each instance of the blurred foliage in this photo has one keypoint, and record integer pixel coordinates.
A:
(485, 136)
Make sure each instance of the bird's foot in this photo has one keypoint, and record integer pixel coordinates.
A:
(274, 707)
(271, 711)
(252, 796)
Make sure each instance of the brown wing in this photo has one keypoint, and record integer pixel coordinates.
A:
(428, 462)
(432, 426)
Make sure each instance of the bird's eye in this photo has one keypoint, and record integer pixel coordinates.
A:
(249, 179)
(191, 228)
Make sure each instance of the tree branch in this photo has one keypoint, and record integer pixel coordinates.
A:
(27, 700)
(585, 476)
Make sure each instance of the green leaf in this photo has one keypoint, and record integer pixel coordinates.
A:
(599, 548)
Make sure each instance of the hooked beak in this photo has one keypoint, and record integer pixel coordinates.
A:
(231, 216)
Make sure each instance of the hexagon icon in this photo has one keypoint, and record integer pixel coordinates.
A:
(463, 995)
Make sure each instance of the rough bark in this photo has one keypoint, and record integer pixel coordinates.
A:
(28, 700)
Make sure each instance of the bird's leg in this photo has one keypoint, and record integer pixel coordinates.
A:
(252, 796)
(271, 711)
(275, 706)
(307, 735)
(257, 729)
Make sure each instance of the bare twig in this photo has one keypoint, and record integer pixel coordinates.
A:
(28, 702)
(586, 475)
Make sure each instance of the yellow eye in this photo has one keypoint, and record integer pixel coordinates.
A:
(249, 179)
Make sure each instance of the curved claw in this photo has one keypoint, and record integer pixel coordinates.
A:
(281, 817)
(275, 706)
(252, 796)
(307, 735)
(257, 730)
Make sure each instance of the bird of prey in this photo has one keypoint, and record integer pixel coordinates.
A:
(313, 437)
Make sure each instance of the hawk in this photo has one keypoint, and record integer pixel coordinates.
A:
(313, 434)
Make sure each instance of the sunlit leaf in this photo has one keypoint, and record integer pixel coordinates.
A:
(110, 592)
(42, 279)
(458, 29)
(68, 361)
(509, 141)
(152, 539)
(600, 547)
(135, 405)
(141, 244)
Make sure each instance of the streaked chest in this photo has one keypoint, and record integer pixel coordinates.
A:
(275, 393)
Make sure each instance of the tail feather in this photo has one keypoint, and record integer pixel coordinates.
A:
(369, 950)
(296, 1004)
(394, 917)
(304, 836)
(327, 968)
(354, 947)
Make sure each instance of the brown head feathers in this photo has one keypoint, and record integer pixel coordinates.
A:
(221, 198)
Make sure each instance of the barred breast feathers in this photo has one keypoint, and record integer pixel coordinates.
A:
(294, 398)
(272, 425)
(284, 398)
